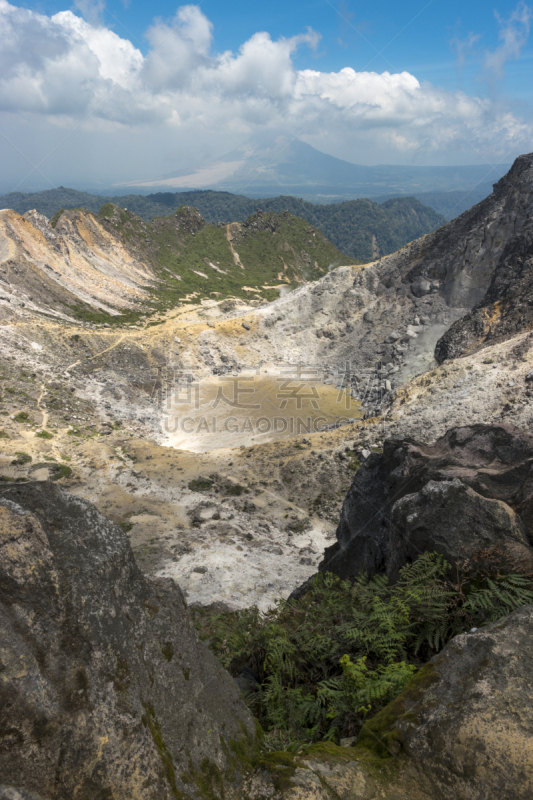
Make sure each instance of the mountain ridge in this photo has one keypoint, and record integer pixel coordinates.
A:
(113, 266)
(352, 225)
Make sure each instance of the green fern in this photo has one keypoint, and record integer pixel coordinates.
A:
(341, 652)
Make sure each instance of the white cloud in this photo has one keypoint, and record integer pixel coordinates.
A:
(91, 10)
(184, 103)
(513, 34)
(464, 48)
(179, 49)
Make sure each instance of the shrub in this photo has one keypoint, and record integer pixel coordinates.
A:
(200, 484)
(21, 458)
(234, 489)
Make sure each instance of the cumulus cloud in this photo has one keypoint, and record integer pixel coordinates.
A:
(183, 102)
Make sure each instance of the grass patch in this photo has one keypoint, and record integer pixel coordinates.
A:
(88, 314)
(75, 432)
(64, 471)
(45, 435)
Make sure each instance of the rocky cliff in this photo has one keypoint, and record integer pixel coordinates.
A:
(464, 725)
(468, 496)
(105, 690)
(396, 309)
(52, 270)
(98, 266)
(507, 307)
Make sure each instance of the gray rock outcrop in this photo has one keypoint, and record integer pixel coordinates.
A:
(465, 722)
(105, 690)
(396, 309)
(468, 496)
(507, 307)
(452, 519)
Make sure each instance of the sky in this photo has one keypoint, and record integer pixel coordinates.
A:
(101, 92)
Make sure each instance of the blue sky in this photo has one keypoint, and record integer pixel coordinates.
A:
(147, 88)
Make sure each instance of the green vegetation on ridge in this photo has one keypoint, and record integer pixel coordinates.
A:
(190, 256)
(350, 225)
(188, 259)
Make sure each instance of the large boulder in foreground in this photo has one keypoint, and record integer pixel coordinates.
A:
(465, 722)
(468, 496)
(105, 690)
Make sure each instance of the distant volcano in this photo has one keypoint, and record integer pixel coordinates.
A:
(292, 167)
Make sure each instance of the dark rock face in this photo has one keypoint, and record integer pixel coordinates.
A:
(466, 719)
(460, 257)
(459, 523)
(507, 307)
(105, 690)
(469, 496)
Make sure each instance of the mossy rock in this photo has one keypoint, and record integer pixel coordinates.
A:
(381, 734)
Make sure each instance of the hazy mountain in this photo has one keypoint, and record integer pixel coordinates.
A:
(296, 168)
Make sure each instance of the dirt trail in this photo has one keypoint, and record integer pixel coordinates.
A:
(234, 253)
(97, 355)
(44, 413)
